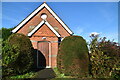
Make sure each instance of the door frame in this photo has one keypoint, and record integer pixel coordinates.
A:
(49, 54)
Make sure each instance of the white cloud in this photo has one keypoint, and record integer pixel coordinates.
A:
(94, 34)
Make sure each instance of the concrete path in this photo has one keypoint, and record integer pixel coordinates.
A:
(47, 73)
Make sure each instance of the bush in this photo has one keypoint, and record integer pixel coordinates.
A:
(9, 56)
(104, 58)
(73, 57)
(17, 56)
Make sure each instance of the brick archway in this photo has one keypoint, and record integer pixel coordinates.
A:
(45, 48)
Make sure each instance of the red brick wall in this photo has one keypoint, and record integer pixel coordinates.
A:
(44, 31)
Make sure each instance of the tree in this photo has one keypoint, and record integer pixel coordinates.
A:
(6, 32)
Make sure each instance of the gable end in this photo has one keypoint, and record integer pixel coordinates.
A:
(35, 12)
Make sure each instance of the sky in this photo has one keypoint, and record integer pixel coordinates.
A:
(82, 18)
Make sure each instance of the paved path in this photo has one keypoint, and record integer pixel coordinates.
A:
(46, 73)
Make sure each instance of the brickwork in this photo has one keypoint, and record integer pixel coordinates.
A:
(44, 31)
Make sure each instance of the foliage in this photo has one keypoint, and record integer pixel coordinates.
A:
(5, 33)
(17, 57)
(0, 51)
(58, 74)
(9, 56)
(104, 57)
(73, 57)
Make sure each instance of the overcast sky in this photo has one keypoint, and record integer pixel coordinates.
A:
(81, 17)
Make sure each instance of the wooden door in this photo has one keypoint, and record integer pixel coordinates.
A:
(43, 47)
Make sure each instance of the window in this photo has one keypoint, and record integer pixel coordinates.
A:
(43, 16)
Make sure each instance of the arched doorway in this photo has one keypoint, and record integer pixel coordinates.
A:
(45, 48)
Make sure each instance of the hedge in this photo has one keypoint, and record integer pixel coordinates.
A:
(73, 57)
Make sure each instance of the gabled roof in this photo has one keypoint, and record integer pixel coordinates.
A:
(35, 12)
(39, 25)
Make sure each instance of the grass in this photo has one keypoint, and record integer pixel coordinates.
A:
(27, 75)
(59, 75)
(33, 74)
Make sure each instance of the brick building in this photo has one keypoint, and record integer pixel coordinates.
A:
(45, 30)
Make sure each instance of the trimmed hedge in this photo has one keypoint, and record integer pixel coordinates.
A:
(73, 57)
(17, 54)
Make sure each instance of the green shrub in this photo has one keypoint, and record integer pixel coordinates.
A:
(73, 57)
(9, 56)
(104, 58)
(17, 56)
